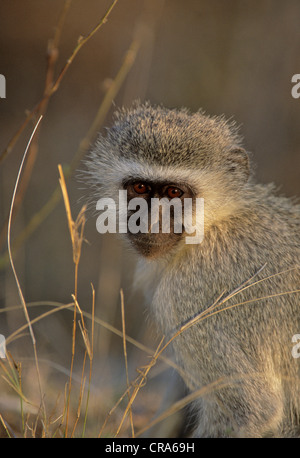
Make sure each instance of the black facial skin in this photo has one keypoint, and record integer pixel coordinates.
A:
(153, 245)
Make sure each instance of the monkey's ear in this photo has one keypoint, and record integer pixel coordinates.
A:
(237, 164)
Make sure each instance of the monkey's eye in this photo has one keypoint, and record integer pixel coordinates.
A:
(172, 192)
(141, 188)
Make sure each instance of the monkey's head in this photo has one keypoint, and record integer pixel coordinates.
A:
(154, 152)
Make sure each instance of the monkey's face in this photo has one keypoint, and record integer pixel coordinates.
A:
(172, 156)
(158, 225)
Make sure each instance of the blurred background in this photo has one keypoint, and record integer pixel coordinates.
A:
(234, 57)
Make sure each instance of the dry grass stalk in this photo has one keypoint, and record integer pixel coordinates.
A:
(76, 229)
(140, 381)
(90, 353)
(23, 302)
(13, 378)
(5, 426)
(125, 358)
(14, 335)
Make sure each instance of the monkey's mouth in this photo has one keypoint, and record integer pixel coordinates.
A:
(154, 245)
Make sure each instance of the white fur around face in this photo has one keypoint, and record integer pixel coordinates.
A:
(205, 184)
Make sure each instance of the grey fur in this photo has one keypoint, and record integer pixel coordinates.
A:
(247, 347)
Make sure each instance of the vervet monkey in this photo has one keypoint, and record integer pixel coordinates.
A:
(251, 248)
